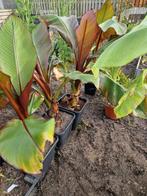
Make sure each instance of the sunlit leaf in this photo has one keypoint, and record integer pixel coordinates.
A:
(111, 90)
(141, 110)
(86, 35)
(133, 96)
(126, 48)
(83, 77)
(17, 53)
(35, 102)
(106, 12)
(17, 147)
(113, 27)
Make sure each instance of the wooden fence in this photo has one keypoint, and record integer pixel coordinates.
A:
(65, 7)
(78, 7)
(72, 7)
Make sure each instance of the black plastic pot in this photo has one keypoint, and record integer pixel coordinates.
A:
(63, 136)
(33, 185)
(78, 114)
(90, 89)
(46, 164)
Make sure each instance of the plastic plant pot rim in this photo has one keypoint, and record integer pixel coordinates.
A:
(30, 178)
(68, 109)
(69, 124)
(52, 147)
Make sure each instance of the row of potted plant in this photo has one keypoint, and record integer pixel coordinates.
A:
(27, 70)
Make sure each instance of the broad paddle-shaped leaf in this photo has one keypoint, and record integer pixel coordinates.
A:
(133, 97)
(86, 35)
(83, 77)
(66, 26)
(126, 48)
(113, 27)
(17, 53)
(17, 147)
(42, 43)
(111, 90)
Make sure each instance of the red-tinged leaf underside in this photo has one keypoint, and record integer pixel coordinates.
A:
(24, 97)
(86, 35)
(6, 85)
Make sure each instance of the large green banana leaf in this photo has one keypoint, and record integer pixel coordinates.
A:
(17, 53)
(111, 90)
(141, 110)
(42, 43)
(66, 26)
(83, 77)
(133, 97)
(113, 25)
(21, 150)
(126, 48)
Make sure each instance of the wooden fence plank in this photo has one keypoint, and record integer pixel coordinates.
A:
(75, 7)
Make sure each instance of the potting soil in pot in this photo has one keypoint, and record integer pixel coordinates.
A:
(65, 120)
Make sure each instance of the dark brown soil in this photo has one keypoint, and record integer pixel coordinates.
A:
(9, 176)
(101, 158)
(6, 115)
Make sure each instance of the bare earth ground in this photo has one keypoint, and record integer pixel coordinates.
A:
(102, 157)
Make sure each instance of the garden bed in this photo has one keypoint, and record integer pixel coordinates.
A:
(102, 157)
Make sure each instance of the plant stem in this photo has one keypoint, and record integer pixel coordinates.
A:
(58, 91)
(76, 93)
(43, 86)
(98, 42)
(28, 132)
(13, 102)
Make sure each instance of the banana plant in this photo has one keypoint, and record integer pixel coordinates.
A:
(81, 38)
(44, 71)
(122, 51)
(22, 140)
